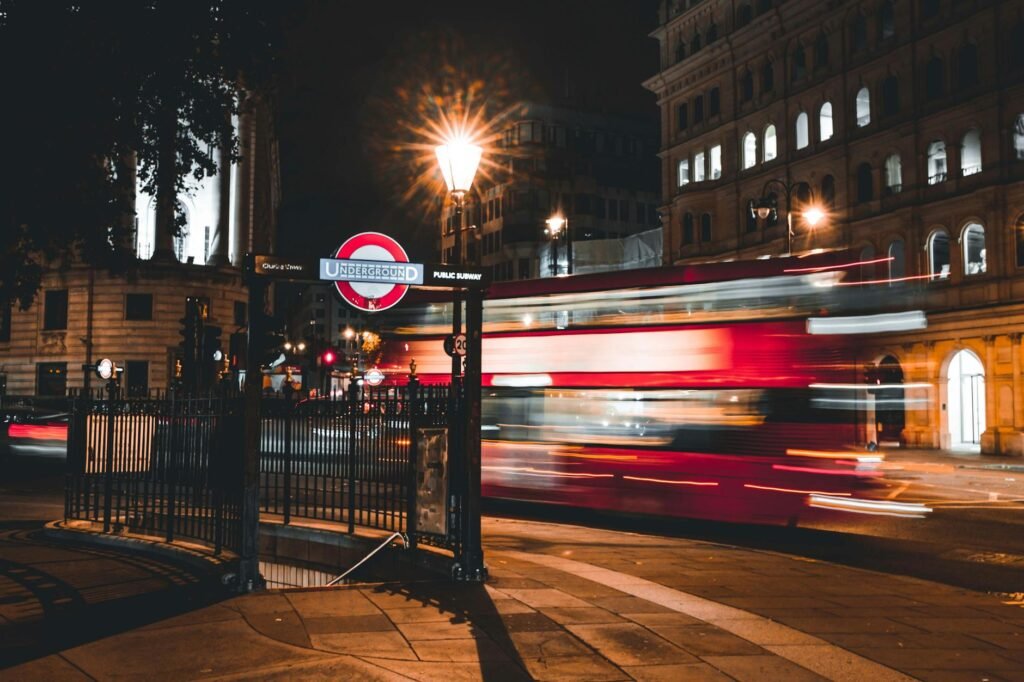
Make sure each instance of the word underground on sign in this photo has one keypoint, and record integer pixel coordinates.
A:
(337, 270)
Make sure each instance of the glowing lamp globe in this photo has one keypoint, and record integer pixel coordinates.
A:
(458, 158)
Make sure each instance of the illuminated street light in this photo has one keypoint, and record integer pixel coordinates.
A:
(555, 224)
(766, 207)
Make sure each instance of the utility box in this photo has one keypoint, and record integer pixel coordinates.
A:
(431, 480)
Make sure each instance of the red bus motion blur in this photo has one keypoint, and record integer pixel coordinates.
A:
(690, 391)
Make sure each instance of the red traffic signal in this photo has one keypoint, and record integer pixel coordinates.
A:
(328, 357)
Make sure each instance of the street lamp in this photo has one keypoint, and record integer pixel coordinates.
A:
(458, 159)
(766, 207)
(556, 224)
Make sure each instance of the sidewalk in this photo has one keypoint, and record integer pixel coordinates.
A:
(569, 603)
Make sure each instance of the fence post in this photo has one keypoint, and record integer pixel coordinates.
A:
(412, 407)
(171, 464)
(289, 412)
(108, 480)
(353, 399)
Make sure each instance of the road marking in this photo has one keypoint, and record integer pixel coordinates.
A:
(805, 650)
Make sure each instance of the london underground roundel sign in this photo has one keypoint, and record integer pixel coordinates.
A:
(371, 296)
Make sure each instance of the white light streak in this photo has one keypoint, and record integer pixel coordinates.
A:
(868, 324)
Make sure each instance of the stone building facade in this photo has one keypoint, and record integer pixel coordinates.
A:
(904, 120)
(82, 314)
(595, 170)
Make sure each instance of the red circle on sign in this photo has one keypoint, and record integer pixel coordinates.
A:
(370, 246)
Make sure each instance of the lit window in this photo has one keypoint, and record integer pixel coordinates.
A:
(893, 174)
(974, 249)
(938, 254)
(970, 155)
(749, 150)
(698, 167)
(716, 162)
(684, 172)
(770, 148)
(936, 162)
(863, 107)
(825, 122)
(801, 130)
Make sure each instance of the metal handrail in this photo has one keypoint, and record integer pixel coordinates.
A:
(405, 544)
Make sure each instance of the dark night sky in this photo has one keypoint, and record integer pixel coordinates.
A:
(343, 61)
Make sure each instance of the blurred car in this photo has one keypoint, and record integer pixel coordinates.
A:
(34, 431)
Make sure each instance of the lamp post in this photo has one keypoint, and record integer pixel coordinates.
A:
(556, 224)
(766, 206)
(458, 158)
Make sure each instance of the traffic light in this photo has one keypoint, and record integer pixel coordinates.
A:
(191, 339)
(271, 341)
(236, 351)
(328, 357)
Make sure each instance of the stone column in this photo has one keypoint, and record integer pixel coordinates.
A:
(241, 224)
(222, 193)
(990, 437)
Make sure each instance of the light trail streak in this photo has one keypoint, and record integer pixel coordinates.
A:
(669, 481)
(793, 490)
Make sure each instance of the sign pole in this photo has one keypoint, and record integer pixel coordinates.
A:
(249, 565)
(473, 566)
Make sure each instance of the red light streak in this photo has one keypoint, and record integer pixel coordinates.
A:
(670, 482)
(825, 268)
(827, 472)
(38, 432)
(793, 490)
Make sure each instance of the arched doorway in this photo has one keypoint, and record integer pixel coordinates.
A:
(890, 415)
(966, 400)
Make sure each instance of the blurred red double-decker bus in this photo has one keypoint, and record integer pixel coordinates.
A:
(692, 391)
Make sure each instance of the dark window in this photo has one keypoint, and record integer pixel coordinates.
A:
(714, 102)
(859, 33)
(705, 228)
(744, 15)
(929, 8)
(802, 194)
(967, 66)
(524, 268)
(1020, 241)
(698, 109)
(695, 43)
(1016, 45)
(138, 307)
(688, 228)
(886, 21)
(828, 191)
(747, 86)
(767, 77)
(798, 68)
(600, 210)
(890, 96)
(680, 51)
(935, 78)
(865, 188)
(5, 321)
(55, 309)
(712, 33)
(763, 6)
(641, 213)
(51, 378)
(136, 378)
(821, 52)
(239, 314)
(682, 115)
(582, 204)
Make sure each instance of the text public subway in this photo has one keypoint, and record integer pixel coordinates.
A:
(370, 271)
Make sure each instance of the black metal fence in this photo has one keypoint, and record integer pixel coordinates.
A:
(168, 467)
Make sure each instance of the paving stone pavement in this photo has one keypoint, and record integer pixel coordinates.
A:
(580, 604)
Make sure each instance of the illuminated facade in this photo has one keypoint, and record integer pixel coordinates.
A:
(595, 170)
(905, 120)
(82, 314)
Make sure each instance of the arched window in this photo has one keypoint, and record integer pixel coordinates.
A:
(886, 21)
(865, 186)
(801, 195)
(893, 175)
(975, 261)
(867, 268)
(802, 136)
(749, 150)
(798, 64)
(863, 107)
(897, 261)
(744, 15)
(935, 78)
(890, 96)
(1018, 136)
(683, 173)
(746, 86)
(712, 33)
(858, 33)
(770, 144)
(821, 51)
(688, 228)
(825, 122)
(828, 191)
(936, 162)
(970, 153)
(705, 228)
(767, 78)
(938, 254)
(967, 66)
